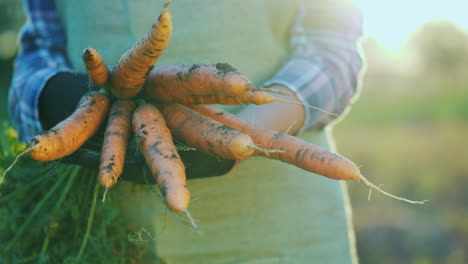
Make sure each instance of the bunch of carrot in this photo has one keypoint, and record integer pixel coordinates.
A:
(172, 109)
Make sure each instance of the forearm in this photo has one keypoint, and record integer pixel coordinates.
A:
(41, 56)
(325, 63)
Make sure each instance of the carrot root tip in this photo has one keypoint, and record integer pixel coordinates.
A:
(370, 192)
(192, 221)
(105, 193)
(290, 127)
(307, 105)
(14, 163)
(377, 188)
(266, 151)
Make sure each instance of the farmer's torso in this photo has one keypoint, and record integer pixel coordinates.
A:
(263, 211)
(250, 35)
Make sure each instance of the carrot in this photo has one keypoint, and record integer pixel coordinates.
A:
(206, 134)
(168, 83)
(115, 142)
(95, 66)
(257, 98)
(129, 75)
(67, 136)
(247, 98)
(193, 84)
(295, 151)
(155, 142)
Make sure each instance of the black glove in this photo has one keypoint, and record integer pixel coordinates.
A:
(59, 99)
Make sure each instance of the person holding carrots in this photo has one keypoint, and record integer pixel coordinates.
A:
(259, 211)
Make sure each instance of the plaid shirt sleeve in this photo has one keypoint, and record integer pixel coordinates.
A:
(41, 55)
(324, 67)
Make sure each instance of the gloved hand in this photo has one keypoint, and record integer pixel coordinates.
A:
(59, 99)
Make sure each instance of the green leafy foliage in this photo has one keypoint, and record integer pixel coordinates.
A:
(45, 211)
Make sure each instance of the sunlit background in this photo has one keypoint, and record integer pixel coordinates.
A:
(391, 22)
(408, 130)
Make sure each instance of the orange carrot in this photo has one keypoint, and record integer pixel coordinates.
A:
(155, 142)
(95, 66)
(129, 75)
(295, 151)
(115, 143)
(257, 98)
(168, 83)
(206, 134)
(178, 85)
(67, 136)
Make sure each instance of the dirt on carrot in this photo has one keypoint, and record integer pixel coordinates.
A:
(293, 150)
(116, 136)
(296, 151)
(70, 134)
(155, 142)
(95, 66)
(129, 75)
(205, 134)
(169, 83)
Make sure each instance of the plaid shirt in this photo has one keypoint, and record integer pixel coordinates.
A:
(323, 68)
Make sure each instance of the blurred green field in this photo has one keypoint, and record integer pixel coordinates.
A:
(415, 157)
(409, 133)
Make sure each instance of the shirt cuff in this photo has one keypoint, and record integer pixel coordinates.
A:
(298, 74)
(24, 102)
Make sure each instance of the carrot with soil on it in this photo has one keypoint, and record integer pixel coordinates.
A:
(70, 134)
(257, 98)
(155, 142)
(168, 83)
(129, 75)
(295, 151)
(114, 147)
(95, 66)
(205, 134)
(193, 84)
